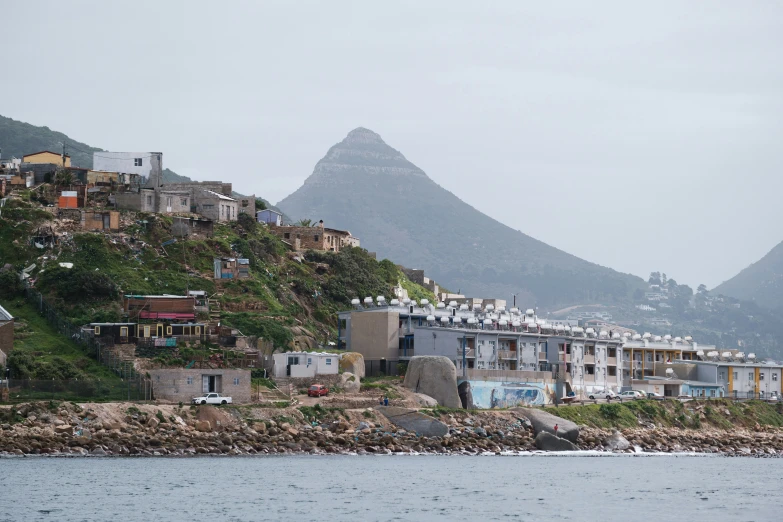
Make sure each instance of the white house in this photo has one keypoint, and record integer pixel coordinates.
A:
(305, 364)
(147, 164)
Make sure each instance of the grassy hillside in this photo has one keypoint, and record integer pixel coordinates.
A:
(717, 413)
(286, 297)
(365, 186)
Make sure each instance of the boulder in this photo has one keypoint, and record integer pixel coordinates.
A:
(414, 422)
(203, 425)
(64, 429)
(545, 422)
(435, 376)
(425, 400)
(616, 441)
(352, 362)
(466, 395)
(350, 382)
(547, 442)
(153, 422)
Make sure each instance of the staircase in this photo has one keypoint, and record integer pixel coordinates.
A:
(277, 394)
(214, 310)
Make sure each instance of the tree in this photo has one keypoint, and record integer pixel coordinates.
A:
(663, 279)
(304, 223)
(64, 177)
(260, 205)
(702, 289)
(655, 278)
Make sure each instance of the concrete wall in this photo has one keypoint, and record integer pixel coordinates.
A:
(247, 205)
(47, 157)
(497, 394)
(215, 208)
(375, 335)
(172, 384)
(97, 220)
(171, 202)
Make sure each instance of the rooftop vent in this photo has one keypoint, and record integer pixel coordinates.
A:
(394, 302)
(424, 302)
(368, 301)
(441, 305)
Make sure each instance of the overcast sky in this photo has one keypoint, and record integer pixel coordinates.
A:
(640, 138)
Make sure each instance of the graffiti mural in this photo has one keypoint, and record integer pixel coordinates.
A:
(494, 394)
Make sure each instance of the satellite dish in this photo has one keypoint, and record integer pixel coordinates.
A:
(368, 300)
(394, 302)
(441, 305)
(430, 318)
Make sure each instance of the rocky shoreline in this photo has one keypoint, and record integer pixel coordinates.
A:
(67, 429)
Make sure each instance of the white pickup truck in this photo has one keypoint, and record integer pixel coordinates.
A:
(211, 398)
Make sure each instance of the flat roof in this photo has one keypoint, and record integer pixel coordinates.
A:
(134, 296)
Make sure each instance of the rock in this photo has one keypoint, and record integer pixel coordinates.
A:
(353, 362)
(425, 400)
(153, 422)
(362, 426)
(63, 429)
(350, 382)
(203, 426)
(616, 441)
(545, 422)
(547, 442)
(414, 421)
(435, 376)
(466, 395)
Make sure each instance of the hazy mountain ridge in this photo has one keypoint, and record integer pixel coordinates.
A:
(761, 282)
(371, 189)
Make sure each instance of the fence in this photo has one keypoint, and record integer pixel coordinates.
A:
(20, 390)
(136, 386)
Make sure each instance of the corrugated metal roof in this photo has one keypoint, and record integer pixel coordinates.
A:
(5, 315)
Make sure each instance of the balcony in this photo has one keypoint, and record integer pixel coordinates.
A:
(507, 354)
(611, 361)
(589, 359)
(470, 352)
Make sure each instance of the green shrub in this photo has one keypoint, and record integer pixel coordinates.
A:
(610, 411)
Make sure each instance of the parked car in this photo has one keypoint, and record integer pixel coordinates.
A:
(607, 394)
(317, 390)
(631, 394)
(211, 398)
(655, 396)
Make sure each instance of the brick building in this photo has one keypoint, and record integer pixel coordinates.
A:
(316, 237)
(181, 385)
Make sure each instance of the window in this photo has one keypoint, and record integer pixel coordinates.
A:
(761, 376)
(774, 376)
(750, 376)
(287, 235)
(149, 200)
(137, 162)
(315, 238)
(97, 330)
(183, 202)
(190, 380)
(198, 330)
(712, 393)
(124, 332)
(236, 381)
(328, 362)
(309, 361)
(169, 330)
(722, 376)
(735, 376)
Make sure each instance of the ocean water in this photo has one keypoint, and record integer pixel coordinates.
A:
(367, 488)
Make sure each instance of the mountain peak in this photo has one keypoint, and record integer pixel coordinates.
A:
(362, 135)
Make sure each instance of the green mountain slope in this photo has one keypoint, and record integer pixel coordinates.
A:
(761, 282)
(369, 188)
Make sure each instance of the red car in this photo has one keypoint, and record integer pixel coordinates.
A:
(317, 390)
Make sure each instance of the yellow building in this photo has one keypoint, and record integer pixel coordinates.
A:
(46, 156)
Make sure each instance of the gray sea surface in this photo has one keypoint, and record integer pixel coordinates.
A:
(368, 488)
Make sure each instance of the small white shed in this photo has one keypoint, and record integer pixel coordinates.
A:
(305, 364)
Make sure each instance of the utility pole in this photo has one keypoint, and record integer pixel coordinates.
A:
(63, 155)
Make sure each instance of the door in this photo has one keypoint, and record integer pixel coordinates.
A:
(168, 204)
(124, 332)
(146, 331)
(106, 222)
(159, 332)
(205, 384)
